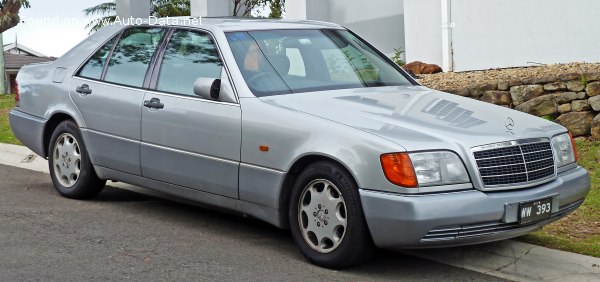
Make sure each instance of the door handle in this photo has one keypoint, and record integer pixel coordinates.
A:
(84, 89)
(153, 103)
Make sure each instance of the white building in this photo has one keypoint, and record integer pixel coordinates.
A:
(381, 22)
(458, 35)
(463, 35)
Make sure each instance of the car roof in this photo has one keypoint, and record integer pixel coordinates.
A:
(241, 23)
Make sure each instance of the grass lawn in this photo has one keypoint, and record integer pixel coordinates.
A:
(579, 232)
(7, 102)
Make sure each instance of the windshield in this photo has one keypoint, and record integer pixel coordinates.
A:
(277, 62)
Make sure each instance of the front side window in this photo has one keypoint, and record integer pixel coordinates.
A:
(275, 62)
(188, 56)
(94, 66)
(132, 55)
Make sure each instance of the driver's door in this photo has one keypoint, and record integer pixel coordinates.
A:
(187, 140)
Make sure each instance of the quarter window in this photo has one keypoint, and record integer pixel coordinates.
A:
(132, 55)
(94, 66)
(188, 56)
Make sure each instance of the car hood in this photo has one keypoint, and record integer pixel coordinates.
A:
(418, 118)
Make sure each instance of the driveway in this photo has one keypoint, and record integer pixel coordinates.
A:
(125, 234)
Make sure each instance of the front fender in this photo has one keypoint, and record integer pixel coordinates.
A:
(291, 135)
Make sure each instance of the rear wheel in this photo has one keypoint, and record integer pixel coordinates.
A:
(326, 217)
(70, 168)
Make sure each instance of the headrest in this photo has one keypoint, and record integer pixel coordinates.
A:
(281, 63)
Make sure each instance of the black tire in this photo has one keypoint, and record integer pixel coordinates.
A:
(356, 244)
(86, 184)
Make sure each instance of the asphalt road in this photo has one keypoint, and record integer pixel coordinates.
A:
(128, 235)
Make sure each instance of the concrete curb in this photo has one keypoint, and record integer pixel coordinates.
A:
(505, 259)
(20, 156)
(517, 261)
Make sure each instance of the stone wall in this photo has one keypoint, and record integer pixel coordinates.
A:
(572, 100)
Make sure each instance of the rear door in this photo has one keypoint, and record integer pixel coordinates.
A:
(108, 90)
(190, 141)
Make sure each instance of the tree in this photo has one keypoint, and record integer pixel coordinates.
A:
(174, 8)
(277, 8)
(158, 8)
(9, 13)
(9, 18)
(244, 8)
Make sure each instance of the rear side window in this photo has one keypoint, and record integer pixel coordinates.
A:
(189, 55)
(132, 55)
(94, 66)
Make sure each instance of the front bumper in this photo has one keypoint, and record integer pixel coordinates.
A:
(467, 217)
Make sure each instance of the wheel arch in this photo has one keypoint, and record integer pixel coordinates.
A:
(51, 125)
(292, 174)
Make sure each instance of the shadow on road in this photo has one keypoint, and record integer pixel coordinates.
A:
(384, 264)
(135, 233)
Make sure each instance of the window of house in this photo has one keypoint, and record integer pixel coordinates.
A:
(132, 55)
(188, 56)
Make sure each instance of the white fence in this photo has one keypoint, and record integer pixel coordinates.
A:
(463, 35)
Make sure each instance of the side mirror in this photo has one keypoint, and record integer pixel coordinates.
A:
(207, 88)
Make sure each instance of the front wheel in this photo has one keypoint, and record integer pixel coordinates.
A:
(70, 168)
(326, 217)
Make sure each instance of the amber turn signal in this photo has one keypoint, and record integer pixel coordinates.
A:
(399, 170)
(574, 147)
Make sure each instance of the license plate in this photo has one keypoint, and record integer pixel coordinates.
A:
(535, 210)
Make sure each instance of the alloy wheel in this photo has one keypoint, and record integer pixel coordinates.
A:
(322, 216)
(66, 160)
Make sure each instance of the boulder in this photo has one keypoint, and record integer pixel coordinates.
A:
(575, 86)
(594, 76)
(569, 76)
(580, 106)
(566, 97)
(497, 97)
(595, 130)
(515, 82)
(594, 102)
(578, 123)
(462, 92)
(555, 86)
(503, 85)
(478, 90)
(540, 106)
(564, 108)
(422, 68)
(593, 89)
(540, 80)
(524, 93)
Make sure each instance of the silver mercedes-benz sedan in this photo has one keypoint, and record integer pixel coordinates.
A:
(301, 124)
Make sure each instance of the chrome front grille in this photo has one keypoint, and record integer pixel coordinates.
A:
(515, 163)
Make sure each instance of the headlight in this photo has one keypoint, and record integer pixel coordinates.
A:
(564, 148)
(439, 168)
(424, 169)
